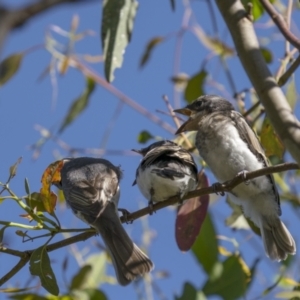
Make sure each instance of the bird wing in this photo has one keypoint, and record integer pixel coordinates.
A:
(250, 138)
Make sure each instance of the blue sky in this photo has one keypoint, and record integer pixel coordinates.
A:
(26, 103)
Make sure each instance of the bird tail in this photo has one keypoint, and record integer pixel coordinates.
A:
(278, 241)
(128, 259)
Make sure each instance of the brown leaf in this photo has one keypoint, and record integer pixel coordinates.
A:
(190, 217)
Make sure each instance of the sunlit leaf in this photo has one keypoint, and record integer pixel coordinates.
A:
(14, 167)
(149, 49)
(117, 24)
(144, 136)
(205, 247)
(36, 201)
(214, 44)
(79, 104)
(79, 279)
(257, 8)
(194, 87)
(27, 297)
(231, 283)
(270, 140)
(9, 67)
(236, 220)
(291, 92)
(189, 292)
(267, 54)
(288, 295)
(39, 265)
(190, 217)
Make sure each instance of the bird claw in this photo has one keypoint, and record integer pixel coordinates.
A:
(125, 214)
(216, 186)
(243, 174)
(151, 208)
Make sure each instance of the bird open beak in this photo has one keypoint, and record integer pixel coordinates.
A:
(190, 125)
(137, 151)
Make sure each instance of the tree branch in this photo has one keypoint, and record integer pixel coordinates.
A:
(278, 110)
(11, 19)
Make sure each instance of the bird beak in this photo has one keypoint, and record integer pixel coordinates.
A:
(137, 151)
(191, 124)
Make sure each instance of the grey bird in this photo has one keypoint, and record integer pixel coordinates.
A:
(229, 146)
(91, 189)
(166, 170)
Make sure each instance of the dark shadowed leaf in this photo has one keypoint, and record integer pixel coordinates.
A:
(149, 49)
(117, 24)
(94, 294)
(267, 54)
(231, 283)
(144, 136)
(2, 233)
(270, 140)
(27, 189)
(79, 279)
(79, 105)
(205, 247)
(190, 293)
(194, 87)
(172, 4)
(9, 66)
(190, 217)
(40, 266)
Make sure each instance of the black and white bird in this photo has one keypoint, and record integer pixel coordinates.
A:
(166, 170)
(229, 146)
(91, 189)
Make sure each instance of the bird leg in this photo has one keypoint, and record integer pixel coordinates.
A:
(125, 214)
(150, 205)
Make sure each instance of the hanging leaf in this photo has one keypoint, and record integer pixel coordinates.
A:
(39, 265)
(79, 105)
(9, 67)
(190, 217)
(205, 247)
(267, 54)
(2, 233)
(194, 87)
(117, 24)
(79, 279)
(270, 140)
(144, 136)
(231, 283)
(189, 292)
(149, 49)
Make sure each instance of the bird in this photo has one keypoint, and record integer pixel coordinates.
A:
(91, 188)
(166, 170)
(229, 147)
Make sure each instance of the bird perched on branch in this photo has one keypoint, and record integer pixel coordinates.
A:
(166, 170)
(91, 189)
(229, 146)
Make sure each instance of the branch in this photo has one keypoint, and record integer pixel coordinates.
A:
(278, 110)
(226, 186)
(11, 19)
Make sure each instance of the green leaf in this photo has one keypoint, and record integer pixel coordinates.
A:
(14, 167)
(291, 92)
(27, 189)
(35, 201)
(117, 24)
(231, 283)
(257, 8)
(236, 220)
(94, 294)
(267, 54)
(80, 278)
(9, 67)
(27, 297)
(190, 293)
(40, 266)
(205, 247)
(194, 87)
(288, 295)
(79, 105)
(149, 49)
(270, 140)
(144, 136)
